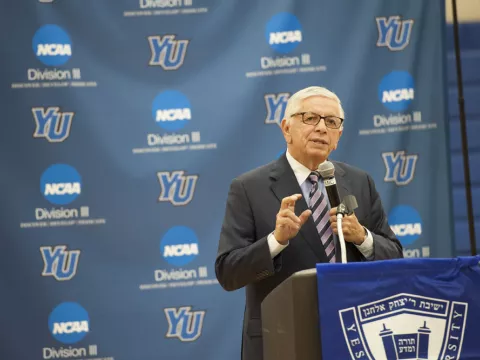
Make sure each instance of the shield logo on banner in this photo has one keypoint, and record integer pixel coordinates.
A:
(405, 326)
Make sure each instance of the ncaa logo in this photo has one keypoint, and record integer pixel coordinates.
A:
(283, 32)
(184, 324)
(406, 223)
(59, 263)
(171, 110)
(405, 326)
(276, 105)
(60, 184)
(393, 33)
(52, 45)
(176, 188)
(52, 124)
(167, 52)
(400, 168)
(69, 323)
(179, 246)
(396, 90)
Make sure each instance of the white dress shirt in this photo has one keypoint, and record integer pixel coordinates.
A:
(302, 173)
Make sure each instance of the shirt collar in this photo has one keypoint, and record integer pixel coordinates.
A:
(301, 171)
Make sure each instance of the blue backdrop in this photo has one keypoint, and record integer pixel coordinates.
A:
(124, 123)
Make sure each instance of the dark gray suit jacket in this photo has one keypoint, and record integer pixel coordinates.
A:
(243, 254)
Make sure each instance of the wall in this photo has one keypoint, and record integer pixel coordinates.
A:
(467, 11)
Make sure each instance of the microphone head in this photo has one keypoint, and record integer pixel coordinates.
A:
(326, 170)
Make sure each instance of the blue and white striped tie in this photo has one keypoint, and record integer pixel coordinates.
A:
(318, 203)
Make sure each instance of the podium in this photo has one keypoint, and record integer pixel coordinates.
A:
(290, 321)
(387, 309)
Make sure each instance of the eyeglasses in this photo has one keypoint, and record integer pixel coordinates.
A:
(309, 118)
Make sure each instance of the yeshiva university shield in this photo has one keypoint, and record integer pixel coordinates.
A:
(405, 326)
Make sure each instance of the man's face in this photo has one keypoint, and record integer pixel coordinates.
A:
(312, 144)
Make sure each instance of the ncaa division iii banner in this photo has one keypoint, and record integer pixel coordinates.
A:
(120, 140)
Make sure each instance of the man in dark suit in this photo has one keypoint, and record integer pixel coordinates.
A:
(278, 220)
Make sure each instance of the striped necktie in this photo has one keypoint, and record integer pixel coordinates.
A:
(318, 203)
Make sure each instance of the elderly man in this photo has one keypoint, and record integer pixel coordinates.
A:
(278, 219)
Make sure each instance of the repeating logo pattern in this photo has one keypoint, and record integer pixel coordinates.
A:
(51, 124)
(184, 324)
(52, 45)
(394, 33)
(179, 245)
(69, 323)
(171, 110)
(283, 32)
(59, 263)
(400, 168)
(167, 52)
(396, 90)
(276, 105)
(61, 184)
(406, 223)
(176, 187)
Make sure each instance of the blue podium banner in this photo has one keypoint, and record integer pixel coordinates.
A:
(400, 309)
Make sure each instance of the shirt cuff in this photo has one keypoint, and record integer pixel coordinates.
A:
(274, 246)
(366, 248)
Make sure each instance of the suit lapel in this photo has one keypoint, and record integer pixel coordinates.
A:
(342, 183)
(284, 183)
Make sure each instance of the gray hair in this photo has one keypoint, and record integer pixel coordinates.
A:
(294, 102)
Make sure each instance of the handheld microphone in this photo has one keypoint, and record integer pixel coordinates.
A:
(348, 205)
(327, 171)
